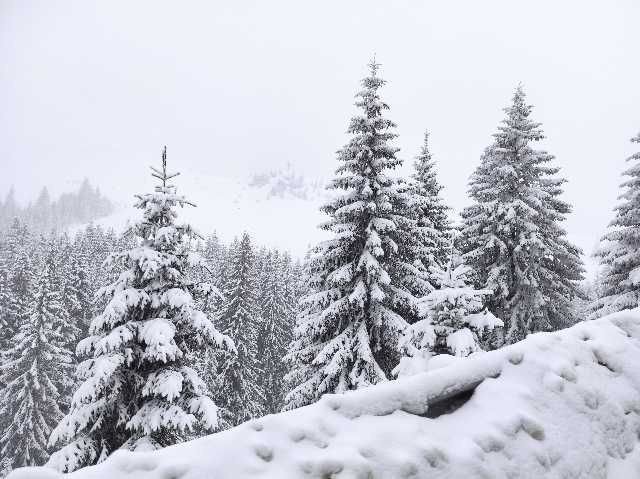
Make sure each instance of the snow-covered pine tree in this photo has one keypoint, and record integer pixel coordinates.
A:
(76, 296)
(619, 253)
(34, 372)
(512, 235)
(454, 322)
(410, 276)
(205, 273)
(96, 244)
(19, 282)
(433, 215)
(137, 391)
(9, 210)
(56, 248)
(53, 253)
(214, 253)
(293, 283)
(4, 298)
(238, 390)
(455, 311)
(347, 332)
(276, 327)
(90, 261)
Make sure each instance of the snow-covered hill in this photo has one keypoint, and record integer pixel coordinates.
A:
(287, 183)
(278, 208)
(557, 405)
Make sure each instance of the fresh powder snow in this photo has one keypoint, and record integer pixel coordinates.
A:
(506, 413)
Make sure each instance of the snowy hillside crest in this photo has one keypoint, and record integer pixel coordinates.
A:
(506, 413)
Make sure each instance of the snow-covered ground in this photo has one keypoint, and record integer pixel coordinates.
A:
(279, 208)
(557, 405)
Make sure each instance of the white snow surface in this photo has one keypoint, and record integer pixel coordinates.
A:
(556, 405)
(281, 208)
(484, 320)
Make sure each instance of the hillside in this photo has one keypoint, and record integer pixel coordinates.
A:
(557, 405)
(279, 207)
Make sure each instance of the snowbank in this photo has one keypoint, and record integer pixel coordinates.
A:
(557, 405)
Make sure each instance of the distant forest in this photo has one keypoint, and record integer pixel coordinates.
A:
(45, 214)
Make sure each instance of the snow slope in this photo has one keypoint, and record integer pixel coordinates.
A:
(278, 208)
(557, 405)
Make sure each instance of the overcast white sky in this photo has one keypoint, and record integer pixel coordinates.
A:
(96, 88)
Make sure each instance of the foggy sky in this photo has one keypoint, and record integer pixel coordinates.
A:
(96, 88)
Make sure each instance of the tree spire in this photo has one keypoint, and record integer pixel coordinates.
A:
(162, 174)
(374, 66)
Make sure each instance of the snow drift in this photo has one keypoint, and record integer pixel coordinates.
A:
(557, 405)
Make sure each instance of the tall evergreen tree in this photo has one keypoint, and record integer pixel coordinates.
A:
(9, 208)
(34, 373)
(57, 248)
(347, 332)
(76, 296)
(239, 391)
(512, 235)
(18, 282)
(619, 254)
(5, 327)
(433, 213)
(214, 253)
(137, 390)
(276, 327)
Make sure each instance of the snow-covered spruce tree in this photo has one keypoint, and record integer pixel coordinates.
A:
(433, 213)
(53, 253)
(76, 295)
(293, 283)
(620, 252)
(238, 390)
(276, 327)
(207, 272)
(512, 235)
(455, 314)
(56, 252)
(348, 328)
(9, 210)
(18, 282)
(138, 391)
(214, 253)
(95, 246)
(5, 333)
(34, 373)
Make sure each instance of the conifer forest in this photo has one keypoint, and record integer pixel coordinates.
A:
(445, 317)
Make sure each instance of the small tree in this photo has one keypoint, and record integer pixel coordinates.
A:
(455, 309)
(137, 390)
(455, 321)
